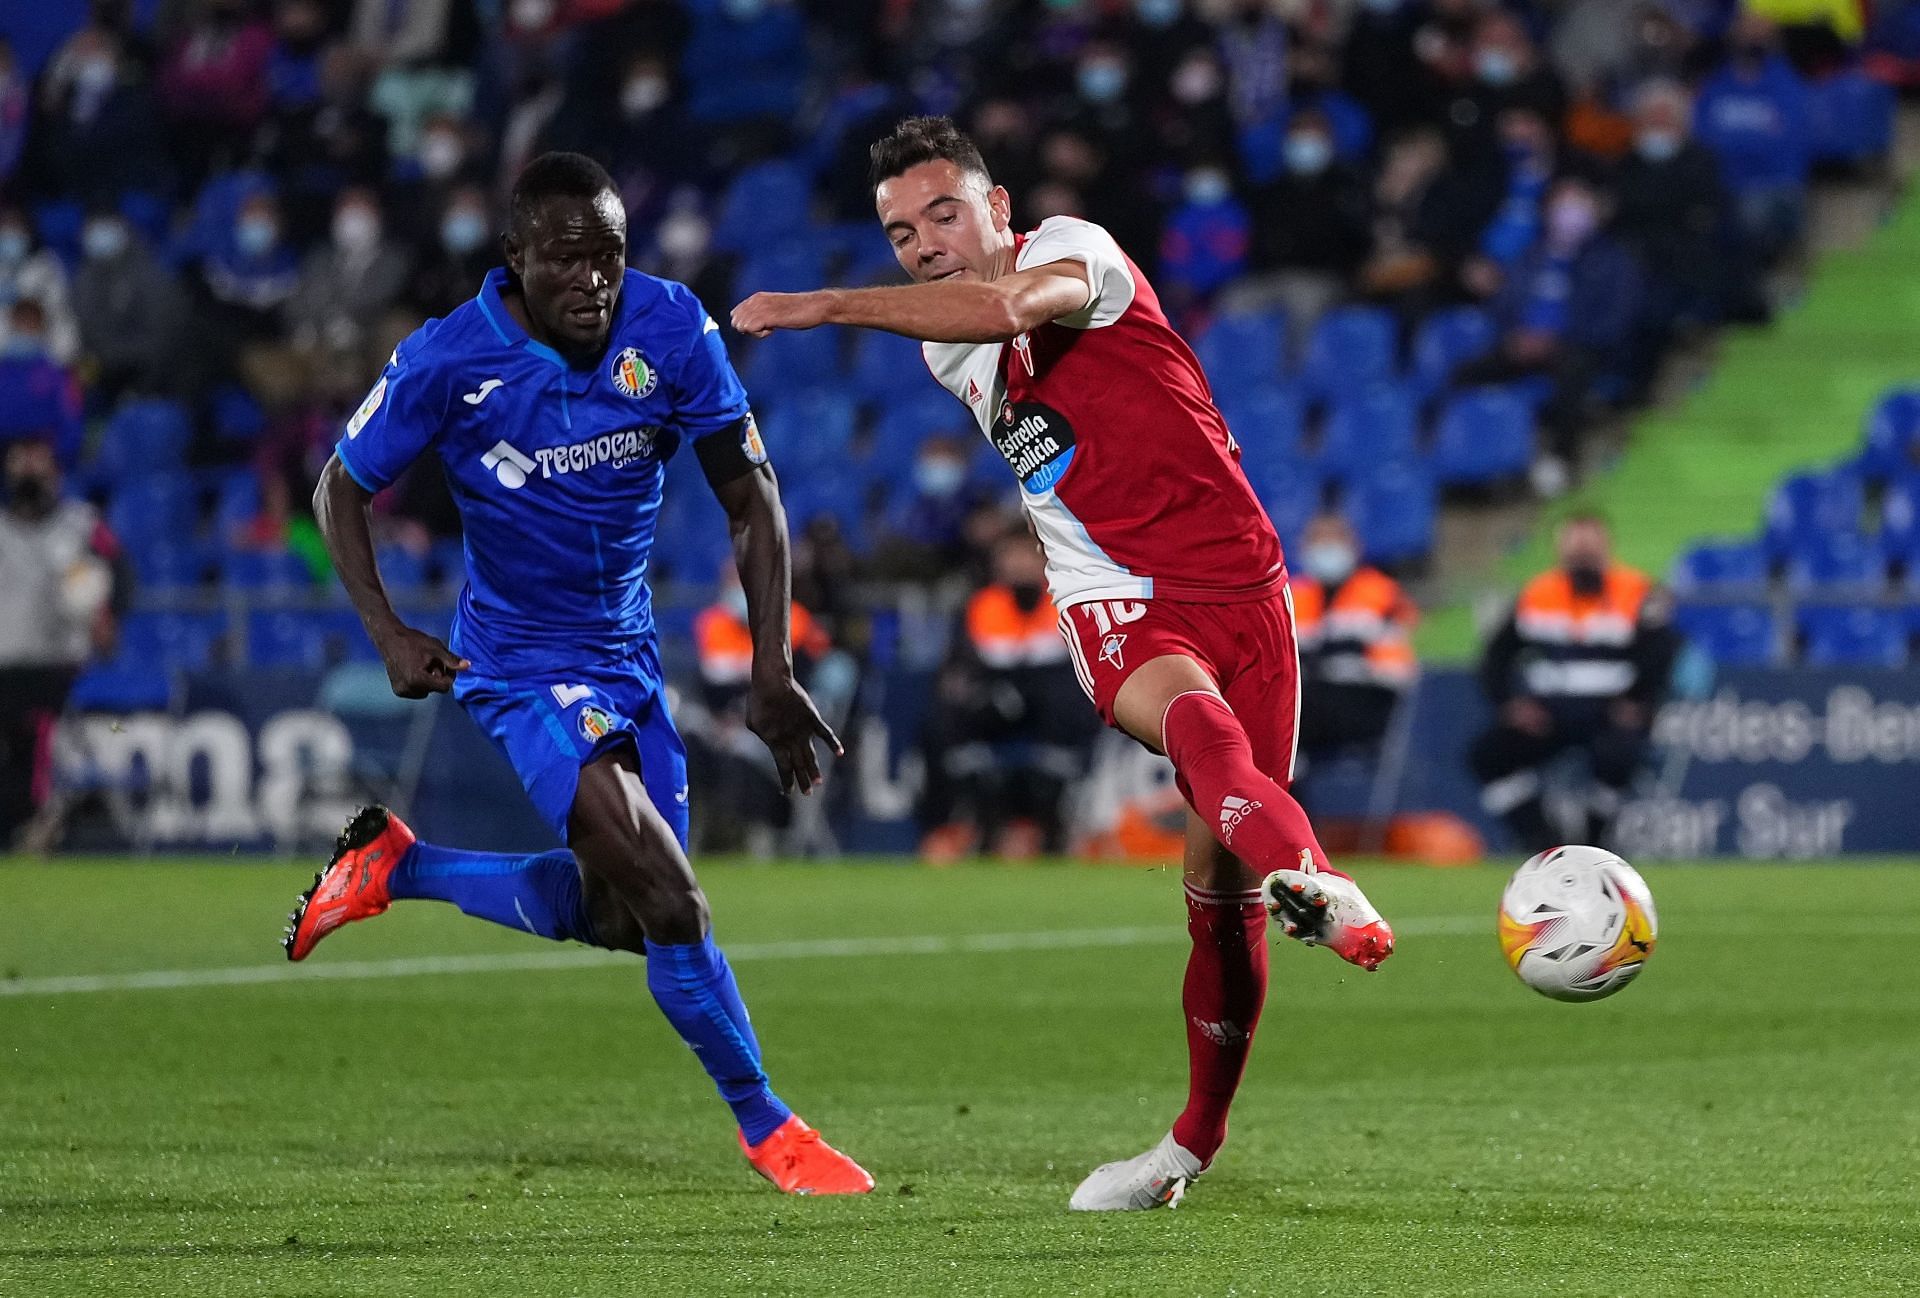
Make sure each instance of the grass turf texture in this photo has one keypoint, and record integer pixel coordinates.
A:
(1744, 1119)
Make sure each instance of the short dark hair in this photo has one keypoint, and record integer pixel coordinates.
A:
(923, 139)
(555, 175)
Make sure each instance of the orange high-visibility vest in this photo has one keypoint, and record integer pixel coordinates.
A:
(725, 643)
(1004, 636)
(1364, 637)
(1577, 646)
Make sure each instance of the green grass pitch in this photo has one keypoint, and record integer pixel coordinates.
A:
(518, 1120)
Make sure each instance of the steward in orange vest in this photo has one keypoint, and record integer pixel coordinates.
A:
(1582, 663)
(1354, 625)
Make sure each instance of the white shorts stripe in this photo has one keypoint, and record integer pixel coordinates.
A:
(1074, 653)
(1293, 753)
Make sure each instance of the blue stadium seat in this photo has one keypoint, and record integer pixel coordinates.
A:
(886, 366)
(156, 508)
(1290, 490)
(1854, 636)
(144, 434)
(811, 429)
(401, 568)
(280, 638)
(1836, 562)
(1892, 428)
(174, 640)
(790, 361)
(1733, 635)
(913, 419)
(1720, 564)
(58, 223)
(1267, 420)
(1484, 435)
(1812, 504)
(236, 503)
(344, 639)
(1852, 118)
(1393, 512)
(768, 187)
(1351, 348)
(449, 561)
(170, 565)
(265, 570)
(1240, 349)
(793, 266)
(237, 417)
(1368, 427)
(124, 684)
(1445, 341)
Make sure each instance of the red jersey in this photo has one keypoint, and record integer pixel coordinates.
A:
(1126, 467)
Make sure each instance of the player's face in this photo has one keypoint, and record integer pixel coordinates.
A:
(571, 261)
(945, 223)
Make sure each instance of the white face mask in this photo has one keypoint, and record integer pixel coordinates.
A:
(440, 155)
(1330, 562)
(103, 240)
(683, 236)
(643, 95)
(1208, 187)
(356, 229)
(531, 15)
(1196, 81)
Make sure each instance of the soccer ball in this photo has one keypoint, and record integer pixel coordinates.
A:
(1577, 923)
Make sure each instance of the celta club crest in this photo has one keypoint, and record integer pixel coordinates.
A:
(632, 375)
(1111, 647)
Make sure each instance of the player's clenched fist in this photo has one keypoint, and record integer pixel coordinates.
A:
(419, 664)
(762, 313)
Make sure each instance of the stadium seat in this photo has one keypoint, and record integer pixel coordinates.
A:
(1835, 562)
(1368, 427)
(913, 419)
(793, 266)
(1393, 512)
(1290, 490)
(237, 417)
(887, 366)
(174, 640)
(144, 434)
(1852, 118)
(1351, 348)
(155, 508)
(170, 565)
(265, 570)
(1854, 636)
(281, 638)
(1720, 565)
(1445, 341)
(120, 685)
(1267, 421)
(1241, 349)
(777, 186)
(58, 223)
(792, 360)
(812, 428)
(449, 561)
(1733, 635)
(401, 568)
(1892, 428)
(1484, 435)
(1810, 504)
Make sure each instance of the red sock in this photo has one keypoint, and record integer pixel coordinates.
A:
(1251, 815)
(1225, 987)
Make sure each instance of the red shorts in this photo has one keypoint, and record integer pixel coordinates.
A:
(1248, 648)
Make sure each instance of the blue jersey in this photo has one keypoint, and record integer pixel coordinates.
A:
(557, 471)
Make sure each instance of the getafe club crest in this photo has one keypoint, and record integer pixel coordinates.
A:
(751, 444)
(595, 724)
(632, 375)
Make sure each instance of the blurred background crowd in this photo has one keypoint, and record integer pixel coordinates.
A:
(1421, 246)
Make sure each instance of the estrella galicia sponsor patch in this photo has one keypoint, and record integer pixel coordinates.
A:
(1037, 442)
(367, 407)
(632, 375)
(595, 723)
(751, 444)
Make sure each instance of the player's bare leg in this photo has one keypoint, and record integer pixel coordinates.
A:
(634, 860)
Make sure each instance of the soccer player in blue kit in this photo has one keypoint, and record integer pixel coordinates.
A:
(554, 399)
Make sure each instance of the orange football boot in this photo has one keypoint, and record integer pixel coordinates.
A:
(354, 884)
(795, 1159)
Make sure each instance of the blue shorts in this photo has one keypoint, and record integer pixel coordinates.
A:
(550, 725)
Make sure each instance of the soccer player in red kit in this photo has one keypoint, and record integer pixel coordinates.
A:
(1168, 574)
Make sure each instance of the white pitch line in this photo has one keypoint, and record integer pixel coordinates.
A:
(577, 958)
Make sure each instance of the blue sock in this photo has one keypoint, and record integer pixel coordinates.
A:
(538, 894)
(696, 991)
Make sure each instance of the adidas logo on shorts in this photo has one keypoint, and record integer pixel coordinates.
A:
(1232, 811)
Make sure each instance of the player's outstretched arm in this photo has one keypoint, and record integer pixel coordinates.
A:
(778, 709)
(944, 311)
(417, 663)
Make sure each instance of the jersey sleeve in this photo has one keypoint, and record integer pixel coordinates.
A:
(1110, 284)
(401, 417)
(707, 397)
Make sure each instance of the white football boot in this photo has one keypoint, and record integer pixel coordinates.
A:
(1326, 910)
(1155, 1179)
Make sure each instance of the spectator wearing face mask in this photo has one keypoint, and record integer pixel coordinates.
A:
(131, 310)
(1755, 117)
(39, 397)
(244, 284)
(1311, 227)
(1005, 734)
(98, 135)
(1206, 241)
(60, 585)
(641, 132)
(465, 246)
(1568, 313)
(338, 313)
(923, 535)
(1582, 663)
(33, 274)
(1673, 213)
(1507, 72)
(683, 251)
(1355, 628)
